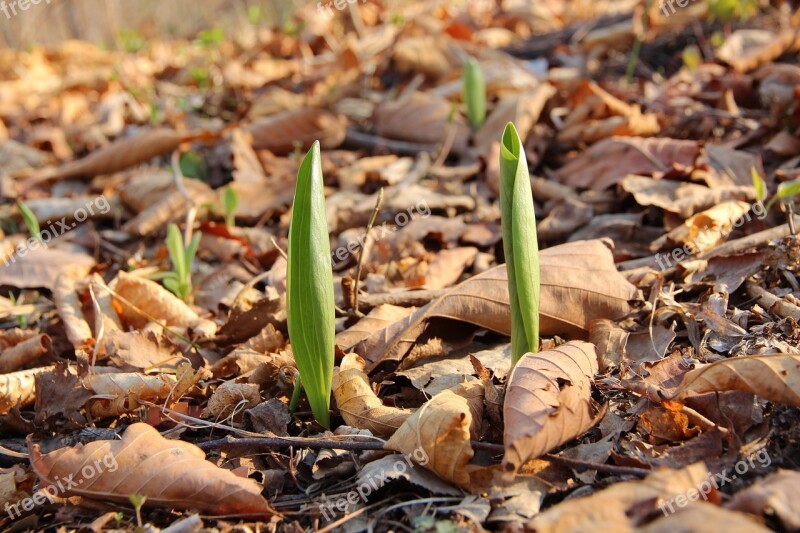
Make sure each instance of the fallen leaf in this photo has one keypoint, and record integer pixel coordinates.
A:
(579, 284)
(548, 402)
(170, 473)
(279, 133)
(771, 497)
(357, 402)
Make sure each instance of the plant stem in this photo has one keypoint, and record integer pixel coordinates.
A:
(298, 387)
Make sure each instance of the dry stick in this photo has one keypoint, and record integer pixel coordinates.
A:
(772, 303)
(416, 298)
(371, 223)
(373, 142)
(354, 445)
(736, 246)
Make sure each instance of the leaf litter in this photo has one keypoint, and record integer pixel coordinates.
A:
(663, 182)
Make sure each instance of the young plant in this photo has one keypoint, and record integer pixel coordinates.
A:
(520, 245)
(474, 93)
(30, 220)
(309, 287)
(230, 201)
(179, 280)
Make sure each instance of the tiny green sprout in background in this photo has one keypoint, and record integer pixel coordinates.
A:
(193, 165)
(520, 245)
(30, 220)
(137, 502)
(726, 11)
(22, 320)
(309, 287)
(179, 280)
(210, 38)
(230, 201)
(691, 57)
(759, 185)
(474, 93)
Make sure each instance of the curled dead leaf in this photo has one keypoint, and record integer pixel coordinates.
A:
(170, 473)
(359, 405)
(548, 402)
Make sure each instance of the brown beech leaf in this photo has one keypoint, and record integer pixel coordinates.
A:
(40, 267)
(380, 317)
(278, 133)
(579, 284)
(774, 495)
(18, 389)
(359, 405)
(774, 377)
(702, 517)
(422, 118)
(624, 505)
(124, 153)
(141, 301)
(440, 429)
(170, 473)
(610, 160)
(548, 402)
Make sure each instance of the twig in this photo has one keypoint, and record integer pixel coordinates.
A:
(416, 298)
(772, 303)
(606, 469)
(373, 142)
(361, 254)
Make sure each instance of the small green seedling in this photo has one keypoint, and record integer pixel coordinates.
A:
(179, 280)
(474, 93)
(230, 201)
(309, 287)
(520, 245)
(727, 10)
(30, 220)
(759, 184)
(138, 501)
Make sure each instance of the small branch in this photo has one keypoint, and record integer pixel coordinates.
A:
(402, 299)
(606, 469)
(361, 254)
(373, 142)
(772, 303)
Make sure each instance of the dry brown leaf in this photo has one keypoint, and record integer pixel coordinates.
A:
(548, 402)
(226, 399)
(68, 304)
(279, 133)
(40, 267)
(146, 300)
(18, 389)
(24, 353)
(579, 284)
(380, 317)
(773, 377)
(137, 350)
(357, 402)
(683, 199)
(421, 118)
(523, 110)
(702, 518)
(170, 473)
(624, 505)
(122, 384)
(747, 49)
(705, 230)
(610, 160)
(124, 153)
(774, 496)
(437, 436)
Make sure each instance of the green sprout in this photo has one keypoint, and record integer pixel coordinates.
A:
(31, 222)
(138, 501)
(727, 10)
(520, 245)
(759, 185)
(179, 280)
(230, 201)
(309, 287)
(475, 93)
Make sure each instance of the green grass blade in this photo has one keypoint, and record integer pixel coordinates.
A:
(176, 251)
(474, 93)
(520, 245)
(31, 222)
(309, 287)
